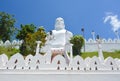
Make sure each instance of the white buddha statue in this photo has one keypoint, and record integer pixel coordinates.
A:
(58, 40)
(59, 36)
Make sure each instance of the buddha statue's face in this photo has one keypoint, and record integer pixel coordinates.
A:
(59, 24)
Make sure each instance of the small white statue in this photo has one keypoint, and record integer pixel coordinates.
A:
(100, 52)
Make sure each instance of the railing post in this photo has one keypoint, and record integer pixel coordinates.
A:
(38, 47)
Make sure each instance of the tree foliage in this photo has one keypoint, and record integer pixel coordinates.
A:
(30, 41)
(7, 27)
(22, 34)
(78, 42)
(25, 29)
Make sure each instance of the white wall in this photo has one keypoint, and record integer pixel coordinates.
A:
(14, 43)
(39, 62)
(107, 45)
(36, 68)
(60, 77)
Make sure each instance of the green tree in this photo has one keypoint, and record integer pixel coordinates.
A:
(30, 44)
(22, 34)
(40, 35)
(25, 29)
(78, 42)
(7, 27)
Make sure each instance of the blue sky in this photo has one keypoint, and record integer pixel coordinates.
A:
(90, 14)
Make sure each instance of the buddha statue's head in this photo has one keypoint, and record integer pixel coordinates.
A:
(59, 24)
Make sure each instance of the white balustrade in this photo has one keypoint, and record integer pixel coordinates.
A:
(30, 62)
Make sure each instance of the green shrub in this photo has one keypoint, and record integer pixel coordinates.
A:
(78, 42)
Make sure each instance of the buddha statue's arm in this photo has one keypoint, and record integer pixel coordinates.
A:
(68, 36)
(50, 36)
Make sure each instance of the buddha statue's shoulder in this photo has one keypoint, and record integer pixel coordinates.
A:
(69, 33)
(60, 31)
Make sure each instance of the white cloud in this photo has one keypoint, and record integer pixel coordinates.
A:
(113, 20)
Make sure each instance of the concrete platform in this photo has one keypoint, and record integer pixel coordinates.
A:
(49, 75)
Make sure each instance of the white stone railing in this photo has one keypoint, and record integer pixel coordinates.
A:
(14, 43)
(40, 62)
(90, 40)
(107, 45)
